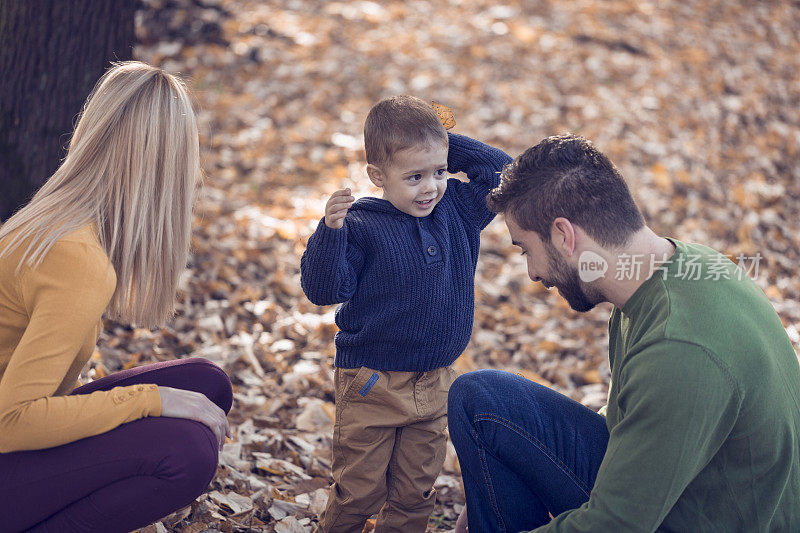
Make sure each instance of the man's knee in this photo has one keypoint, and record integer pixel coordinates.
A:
(472, 389)
(479, 393)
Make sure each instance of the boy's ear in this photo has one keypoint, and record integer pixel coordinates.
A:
(375, 175)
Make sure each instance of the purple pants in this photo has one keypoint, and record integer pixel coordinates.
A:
(123, 479)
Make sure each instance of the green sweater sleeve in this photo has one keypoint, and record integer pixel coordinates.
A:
(671, 423)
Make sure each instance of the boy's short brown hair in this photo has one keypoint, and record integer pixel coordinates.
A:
(397, 123)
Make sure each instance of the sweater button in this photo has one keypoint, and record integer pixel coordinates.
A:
(431, 250)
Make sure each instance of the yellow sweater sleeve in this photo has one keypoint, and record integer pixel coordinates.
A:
(64, 297)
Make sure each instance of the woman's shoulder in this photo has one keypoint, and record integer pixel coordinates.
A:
(77, 258)
(75, 267)
(80, 251)
(85, 234)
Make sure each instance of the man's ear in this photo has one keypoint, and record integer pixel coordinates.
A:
(375, 175)
(563, 237)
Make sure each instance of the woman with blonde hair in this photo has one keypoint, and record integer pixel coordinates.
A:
(107, 233)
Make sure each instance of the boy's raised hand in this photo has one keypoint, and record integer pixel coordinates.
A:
(336, 208)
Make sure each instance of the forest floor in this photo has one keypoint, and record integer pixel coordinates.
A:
(696, 101)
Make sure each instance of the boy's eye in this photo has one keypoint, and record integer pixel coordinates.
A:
(441, 172)
(415, 177)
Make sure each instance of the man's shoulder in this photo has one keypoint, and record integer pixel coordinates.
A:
(709, 296)
(703, 299)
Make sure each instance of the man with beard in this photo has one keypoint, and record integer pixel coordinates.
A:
(702, 427)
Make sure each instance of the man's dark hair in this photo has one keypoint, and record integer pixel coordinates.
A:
(566, 176)
(397, 123)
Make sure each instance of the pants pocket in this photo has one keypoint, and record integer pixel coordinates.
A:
(450, 375)
(346, 382)
(363, 413)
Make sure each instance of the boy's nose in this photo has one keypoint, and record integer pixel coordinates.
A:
(430, 184)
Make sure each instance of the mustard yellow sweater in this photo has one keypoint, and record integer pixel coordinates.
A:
(50, 319)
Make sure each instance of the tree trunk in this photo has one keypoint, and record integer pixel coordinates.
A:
(52, 52)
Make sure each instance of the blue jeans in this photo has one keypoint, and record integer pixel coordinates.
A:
(526, 452)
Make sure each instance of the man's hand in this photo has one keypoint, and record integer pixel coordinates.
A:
(336, 208)
(179, 403)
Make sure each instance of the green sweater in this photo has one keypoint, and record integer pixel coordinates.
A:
(703, 411)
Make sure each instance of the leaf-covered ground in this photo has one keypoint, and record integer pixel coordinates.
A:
(696, 101)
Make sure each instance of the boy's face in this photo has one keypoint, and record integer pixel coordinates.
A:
(415, 179)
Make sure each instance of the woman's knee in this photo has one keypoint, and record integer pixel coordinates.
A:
(188, 458)
(194, 374)
(204, 376)
(219, 383)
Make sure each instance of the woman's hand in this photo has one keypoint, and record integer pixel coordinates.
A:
(336, 208)
(461, 523)
(179, 403)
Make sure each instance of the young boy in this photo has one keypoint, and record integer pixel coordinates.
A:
(403, 268)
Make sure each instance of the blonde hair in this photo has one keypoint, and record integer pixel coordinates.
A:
(131, 169)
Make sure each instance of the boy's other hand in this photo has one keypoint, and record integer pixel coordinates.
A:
(336, 208)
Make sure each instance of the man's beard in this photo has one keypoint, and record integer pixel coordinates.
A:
(565, 278)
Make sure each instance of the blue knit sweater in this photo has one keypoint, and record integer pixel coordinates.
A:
(406, 284)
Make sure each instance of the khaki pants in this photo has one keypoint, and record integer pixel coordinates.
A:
(389, 444)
